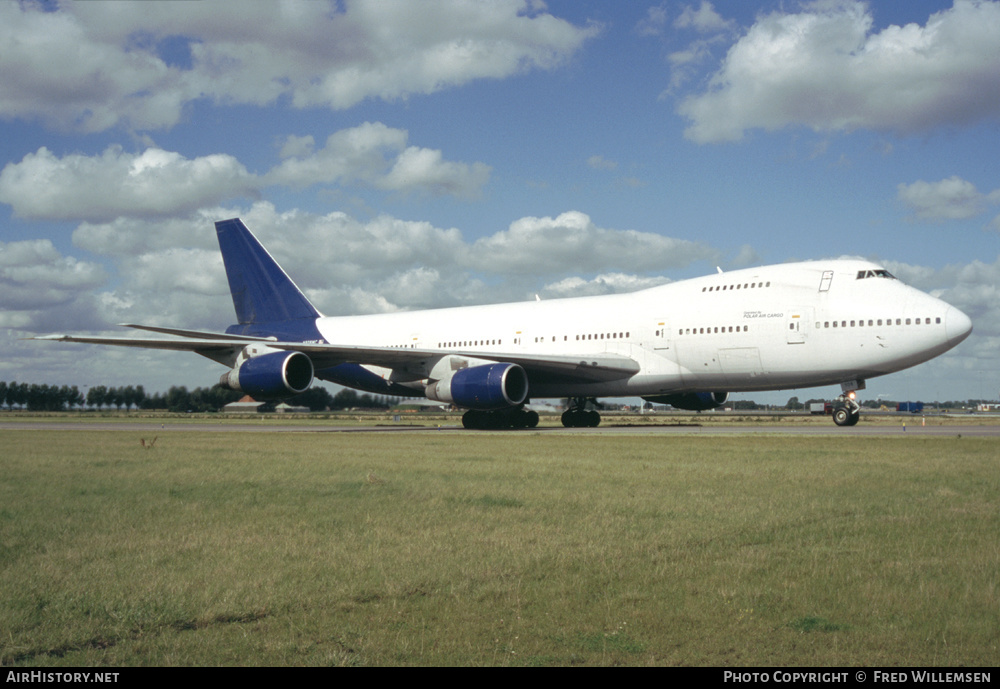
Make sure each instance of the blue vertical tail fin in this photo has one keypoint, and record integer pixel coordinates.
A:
(262, 291)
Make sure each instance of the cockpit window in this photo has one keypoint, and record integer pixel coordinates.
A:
(880, 273)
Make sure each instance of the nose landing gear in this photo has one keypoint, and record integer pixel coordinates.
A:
(848, 411)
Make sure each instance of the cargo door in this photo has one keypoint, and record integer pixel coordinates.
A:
(740, 365)
(797, 325)
(662, 339)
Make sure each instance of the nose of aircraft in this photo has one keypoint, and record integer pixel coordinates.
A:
(957, 325)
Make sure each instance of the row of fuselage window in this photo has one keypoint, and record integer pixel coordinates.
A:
(712, 330)
(517, 340)
(745, 285)
(871, 322)
(587, 336)
(695, 331)
(877, 322)
(470, 343)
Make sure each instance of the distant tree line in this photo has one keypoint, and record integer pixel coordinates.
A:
(319, 399)
(39, 397)
(35, 397)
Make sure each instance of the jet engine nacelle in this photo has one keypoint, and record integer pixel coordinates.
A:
(271, 376)
(485, 388)
(691, 401)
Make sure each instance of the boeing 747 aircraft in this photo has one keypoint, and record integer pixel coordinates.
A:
(687, 344)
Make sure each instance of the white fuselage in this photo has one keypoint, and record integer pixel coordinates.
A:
(775, 327)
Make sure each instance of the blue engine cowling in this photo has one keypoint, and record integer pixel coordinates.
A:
(485, 388)
(691, 401)
(271, 376)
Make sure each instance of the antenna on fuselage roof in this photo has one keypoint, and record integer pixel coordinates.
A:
(719, 269)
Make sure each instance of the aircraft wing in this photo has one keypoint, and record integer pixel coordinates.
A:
(586, 368)
(189, 344)
(185, 340)
(223, 348)
(198, 334)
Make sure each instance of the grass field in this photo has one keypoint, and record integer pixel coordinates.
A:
(497, 549)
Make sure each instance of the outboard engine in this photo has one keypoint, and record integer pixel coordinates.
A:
(272, 376)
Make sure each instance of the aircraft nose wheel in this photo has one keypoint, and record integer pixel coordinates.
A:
(846, 416)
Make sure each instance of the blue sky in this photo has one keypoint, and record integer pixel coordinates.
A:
(402, 155)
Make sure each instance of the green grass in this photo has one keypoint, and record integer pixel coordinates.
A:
(497, 549)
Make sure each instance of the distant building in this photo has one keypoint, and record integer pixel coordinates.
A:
(245, 405)
(289, 409)
(413, 406)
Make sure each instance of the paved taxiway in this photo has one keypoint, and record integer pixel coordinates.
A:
(269, 426)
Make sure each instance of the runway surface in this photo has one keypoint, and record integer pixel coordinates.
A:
(280, 426)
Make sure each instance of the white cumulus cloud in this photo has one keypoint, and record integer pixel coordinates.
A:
(379, 156)
(92, 66)
(115, 183)
(826, 68)
(605, 283)
(571, 242)
(40, 288)
(948, 199)
(34, 275)
(162, 183)
(169, 270)
(704, 19)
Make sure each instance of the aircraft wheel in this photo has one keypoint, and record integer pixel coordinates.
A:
(518, 419)
(577, 418)
(855, 416)
(497, 420)
(842, 417)
(479, 420)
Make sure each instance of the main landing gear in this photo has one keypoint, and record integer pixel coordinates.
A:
(577, 416)
(500, 419)
(848, 411)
